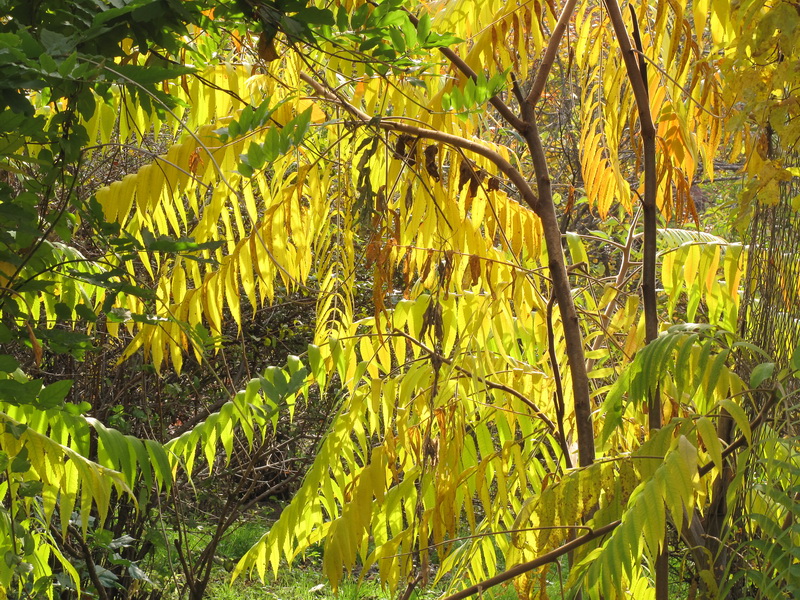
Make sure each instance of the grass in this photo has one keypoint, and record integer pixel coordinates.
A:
(299, 583)
(306, 581)
(302, 582)
(296, 584)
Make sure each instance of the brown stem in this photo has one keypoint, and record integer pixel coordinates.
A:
(637, 75)
(546, 211)
(550, 52)
(519, 569)
(562, 290)
(411, 587)
(649, 207)
(501, 163)
(559, 395)
(91, 568)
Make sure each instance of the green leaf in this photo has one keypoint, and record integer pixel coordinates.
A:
(296, 381)
(436, 40)
(398, 39)
(497, 82)
(392, 17)
(107, 578)
(370, 42)
(342, 19)
(715, 371)
(16, 429)
(149, 74)
(136, 573)
(284, 142)
(15, 392)
(86, 312)
(424, 28)
(271, 146)
(160, 462)
(739, 417)
(20, 463)
(29, 489)
(794, 362)
(245, 170)
(409, 33)
(54, 394)
(8, 363)
(255, 155)
(56, 43)
(446, 101)
(67, 66)
(576, 249)
(708, 434)
(244, 123)
(317, 365)
(359, 17)
(301, 123)
(469, 93)
(316, 16)
(48, 64)
(761, 373)
(124, 541)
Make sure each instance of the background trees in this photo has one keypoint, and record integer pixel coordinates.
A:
(507, 360)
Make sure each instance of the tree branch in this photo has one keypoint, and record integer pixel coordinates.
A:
(562, 290)
(501, 163)
(559, 395)
(462, 66)
(549, 55)
(91, 568)
(551, 556)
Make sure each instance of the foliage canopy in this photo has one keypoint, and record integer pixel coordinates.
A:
(542, 366)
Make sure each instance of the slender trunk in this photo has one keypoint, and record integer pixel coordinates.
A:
(546, 211)
(573, 338)
(637, 75)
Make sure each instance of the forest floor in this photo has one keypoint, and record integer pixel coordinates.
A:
(305, 580)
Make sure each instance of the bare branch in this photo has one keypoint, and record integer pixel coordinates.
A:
(550, 52)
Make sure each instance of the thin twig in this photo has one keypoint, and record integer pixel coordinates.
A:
(495, 386)
(559, 393)
(91, 567)
(550, 54)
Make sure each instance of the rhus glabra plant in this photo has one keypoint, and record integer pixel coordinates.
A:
(551, 360)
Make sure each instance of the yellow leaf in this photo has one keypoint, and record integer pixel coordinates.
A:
(739, 417)
(708, 434)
